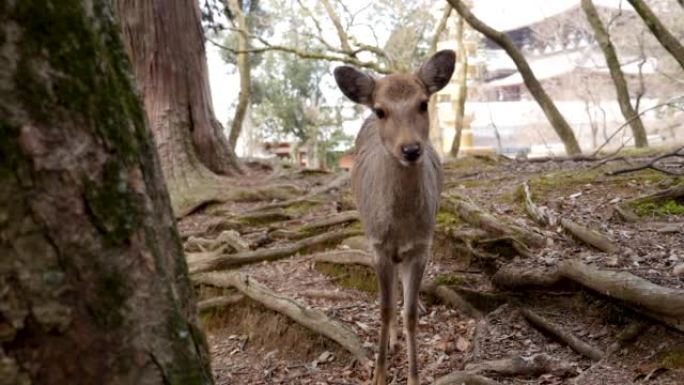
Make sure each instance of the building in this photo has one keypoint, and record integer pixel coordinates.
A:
(560, 48)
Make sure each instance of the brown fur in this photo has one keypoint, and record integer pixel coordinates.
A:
(397, 198)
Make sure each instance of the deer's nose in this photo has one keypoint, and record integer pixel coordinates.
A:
(411, 152)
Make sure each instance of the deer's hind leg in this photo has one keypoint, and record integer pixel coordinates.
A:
(412, 268)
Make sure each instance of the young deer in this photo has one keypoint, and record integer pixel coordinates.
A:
(397, 180)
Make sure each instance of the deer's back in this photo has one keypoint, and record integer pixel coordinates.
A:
(397, 204)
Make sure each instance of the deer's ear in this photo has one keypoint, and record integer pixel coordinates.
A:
(436, 72)
(355, 85)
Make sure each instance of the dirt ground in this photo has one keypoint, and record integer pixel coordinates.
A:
(251, 344)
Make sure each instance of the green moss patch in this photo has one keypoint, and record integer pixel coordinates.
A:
(357, 277)
(659, 209)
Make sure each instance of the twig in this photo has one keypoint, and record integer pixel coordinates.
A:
(652, 164)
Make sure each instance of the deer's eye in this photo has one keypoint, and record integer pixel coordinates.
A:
(423, 106)
(380, 113)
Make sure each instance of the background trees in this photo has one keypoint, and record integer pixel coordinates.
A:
(93, 280)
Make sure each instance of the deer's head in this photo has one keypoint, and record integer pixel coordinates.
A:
(400, 102)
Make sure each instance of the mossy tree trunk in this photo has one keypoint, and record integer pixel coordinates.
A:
(555, 118)
(244, 69)
(664, 36)
(603, 39)
(165, 43)
(93, 283)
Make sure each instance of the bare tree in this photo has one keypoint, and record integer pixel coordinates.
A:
(462, 82)
(435, 129)
(666, 39)
(556, 119)
(93, 285)
(244, 69)
(603, 39)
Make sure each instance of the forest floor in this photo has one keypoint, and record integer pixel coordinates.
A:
(485, 285)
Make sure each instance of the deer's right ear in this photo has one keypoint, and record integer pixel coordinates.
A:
(355, 85)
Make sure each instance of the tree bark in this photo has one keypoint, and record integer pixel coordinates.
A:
(93, 282)
(245, 76)
(462, 81)
(603, 39)
(557, 121)
(664, 36)
(165, 43)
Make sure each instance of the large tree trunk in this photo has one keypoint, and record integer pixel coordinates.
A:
(93, 281)
(557, 121)
(462, 82)
(603, 39)
(165, 43)
(245, 77)
(665, 37)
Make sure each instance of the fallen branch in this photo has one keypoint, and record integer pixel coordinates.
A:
(479, 218)
(228, 261)
(661, 303)
(566, 337)
(333, 220)
(220, 301)
(310, 318)
(652, 164)
(536, 365)
(452, 298)
(546, 217)
(589, 236)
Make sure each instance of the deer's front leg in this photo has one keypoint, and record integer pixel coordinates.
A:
(412, 268)
(386, 272)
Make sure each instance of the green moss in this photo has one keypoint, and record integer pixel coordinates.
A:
(450, 280)
(111, 293)
(672, 358)
(114, 207)
(94, 80)
(447, 220)
(300, 208)
(356, 277)
(651, 208)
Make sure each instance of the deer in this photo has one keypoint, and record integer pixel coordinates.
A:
(397, 181)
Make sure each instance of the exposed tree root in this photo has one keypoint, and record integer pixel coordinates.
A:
(546, 217)
(312, 319)
(526, 366)
(215, 190)
(479, 218)
(351, 256)
(589, 236)
(464, 378)
(625, 208)
(219, 261)
(228, 238)
(452, 298)
(333, 220)
(542, 215)
(335, 184)
(566, 337)
(220, 301)
(658, 302)
(327, 294)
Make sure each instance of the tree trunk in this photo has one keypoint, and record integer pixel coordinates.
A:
(245, 77)
(165, 43)
(93, 281)
(603, 39)
(433, 112)
(462, 81)
(557, 121)
(665, 37)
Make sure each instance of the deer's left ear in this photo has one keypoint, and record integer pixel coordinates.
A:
(436, 72)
